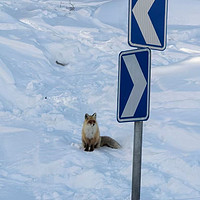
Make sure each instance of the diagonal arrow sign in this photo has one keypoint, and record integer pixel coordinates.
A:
(139, 82)
(144, 21)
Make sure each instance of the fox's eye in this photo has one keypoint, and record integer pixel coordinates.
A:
(92, 122)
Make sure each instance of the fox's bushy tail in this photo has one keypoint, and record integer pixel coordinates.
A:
(109, 142)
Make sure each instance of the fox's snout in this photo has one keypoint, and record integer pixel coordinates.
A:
(91, 122)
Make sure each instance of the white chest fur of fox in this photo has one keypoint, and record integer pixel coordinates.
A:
(90, 130)
(91, 138)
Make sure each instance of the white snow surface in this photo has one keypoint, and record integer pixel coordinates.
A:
(42, 104)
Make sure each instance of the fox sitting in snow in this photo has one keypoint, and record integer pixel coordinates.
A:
(91, 138)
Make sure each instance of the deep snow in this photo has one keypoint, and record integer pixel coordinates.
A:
(42, 104)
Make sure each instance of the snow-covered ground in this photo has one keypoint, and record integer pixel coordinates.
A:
(42, 104)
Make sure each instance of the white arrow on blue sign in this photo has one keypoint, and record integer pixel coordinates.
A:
(148, 23)
(133, 85)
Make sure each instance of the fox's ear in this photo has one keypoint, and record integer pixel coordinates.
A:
(86, 116)
(94, 115)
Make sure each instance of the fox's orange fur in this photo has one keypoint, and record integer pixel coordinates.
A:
(90, 133)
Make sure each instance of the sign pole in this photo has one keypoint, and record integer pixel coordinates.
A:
(137, 160)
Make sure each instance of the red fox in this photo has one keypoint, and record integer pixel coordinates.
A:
(91, 138)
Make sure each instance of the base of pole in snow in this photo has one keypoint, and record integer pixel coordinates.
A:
(137, 160)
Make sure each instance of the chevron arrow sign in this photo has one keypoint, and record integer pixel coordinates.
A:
(147, 23)
(133, 85)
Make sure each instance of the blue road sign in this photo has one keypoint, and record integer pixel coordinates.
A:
(148, 23)
(133, 85)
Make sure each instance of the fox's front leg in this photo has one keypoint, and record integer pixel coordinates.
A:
(85, 145)
(92, 147)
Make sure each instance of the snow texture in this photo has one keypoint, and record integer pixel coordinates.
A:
(42, 103)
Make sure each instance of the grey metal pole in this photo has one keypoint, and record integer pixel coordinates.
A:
(137, 160)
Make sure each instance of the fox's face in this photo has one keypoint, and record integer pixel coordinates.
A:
(90, 119)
